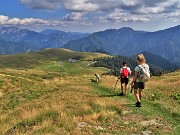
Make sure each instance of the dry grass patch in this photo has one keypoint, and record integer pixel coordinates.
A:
(55, 81)
(109, 82)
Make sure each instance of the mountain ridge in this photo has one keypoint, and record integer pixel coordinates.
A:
(28, 60)
(124, 41)
(37, 39)
(127, 42)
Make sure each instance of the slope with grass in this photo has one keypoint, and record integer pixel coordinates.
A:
(55, 97)
(30, 60)
(160, 111)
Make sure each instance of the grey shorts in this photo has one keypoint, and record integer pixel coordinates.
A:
(139, 85)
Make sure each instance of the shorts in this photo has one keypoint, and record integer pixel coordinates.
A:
(139, 85)
(124, 80)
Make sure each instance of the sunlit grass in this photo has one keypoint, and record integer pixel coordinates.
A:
(49, 100)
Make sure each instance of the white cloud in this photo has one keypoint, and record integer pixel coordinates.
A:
(134, 7)
(153, 6)
(3, 18)
(77, 5)
(43, 4)
(174, 14)
(74, 16)
(80, 5)
(136, 19)
(119, 16)
(89, 12)
(13, 21)
(130, 2)
(137, 8)
(151, 10)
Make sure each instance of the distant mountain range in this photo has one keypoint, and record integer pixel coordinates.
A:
(9, 47)
(32, 40)
(125, 42)
(128, 42)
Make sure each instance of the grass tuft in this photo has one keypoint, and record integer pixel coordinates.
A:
(25, 125)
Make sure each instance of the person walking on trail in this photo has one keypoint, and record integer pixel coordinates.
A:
(142, 75)
(124, 78)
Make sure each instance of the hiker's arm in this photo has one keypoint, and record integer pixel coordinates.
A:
(134, 78)
(119, 77)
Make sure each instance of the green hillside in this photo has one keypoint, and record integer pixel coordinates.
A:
(29, 60)
(44, 94)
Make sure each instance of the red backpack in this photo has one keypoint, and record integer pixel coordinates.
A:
(125, 72)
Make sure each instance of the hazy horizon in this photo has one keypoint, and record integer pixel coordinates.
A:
(84, 32)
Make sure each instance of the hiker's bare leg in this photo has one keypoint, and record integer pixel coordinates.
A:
(126, 88)
(136, 95)
(140, 94)
(122, 87)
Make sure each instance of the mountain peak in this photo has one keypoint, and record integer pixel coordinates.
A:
(9, 29)
(126, 29)
(51, 31)
(176, 27)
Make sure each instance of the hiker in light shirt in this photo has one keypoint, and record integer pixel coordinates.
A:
(139, 83)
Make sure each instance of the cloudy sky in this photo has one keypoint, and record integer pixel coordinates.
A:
(90, 15)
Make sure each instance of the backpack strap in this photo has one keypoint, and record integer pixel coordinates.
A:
(140, 70)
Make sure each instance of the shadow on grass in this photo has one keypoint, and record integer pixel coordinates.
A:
(110, 95)
(93, 80)
(130, 105)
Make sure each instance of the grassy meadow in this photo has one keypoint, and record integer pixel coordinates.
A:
(55, 97)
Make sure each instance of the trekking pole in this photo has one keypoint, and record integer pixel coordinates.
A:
(131, 89)
(128, 85)
(116, 84)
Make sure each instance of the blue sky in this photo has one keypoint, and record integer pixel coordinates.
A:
(90, 15)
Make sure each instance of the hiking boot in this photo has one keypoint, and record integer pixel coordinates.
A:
(121, 94)
(138, 104)
(131, 90)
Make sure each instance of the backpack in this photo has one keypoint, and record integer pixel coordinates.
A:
(125, 72)
(144, 73)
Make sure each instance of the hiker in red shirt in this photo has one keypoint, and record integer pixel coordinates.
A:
(124, 77)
